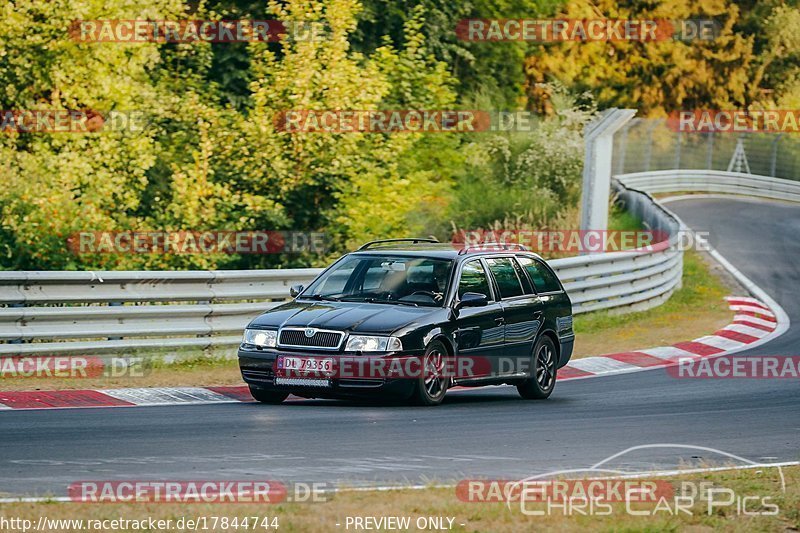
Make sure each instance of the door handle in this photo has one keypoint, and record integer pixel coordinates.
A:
(537, 314)
(499, 321)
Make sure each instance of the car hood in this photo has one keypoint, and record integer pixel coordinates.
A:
(350, 316)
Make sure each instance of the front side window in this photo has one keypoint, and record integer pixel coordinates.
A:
(506, 277)
(474, 279)
(543, 278)
(384, 279)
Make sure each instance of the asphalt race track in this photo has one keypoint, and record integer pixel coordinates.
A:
(480, 433)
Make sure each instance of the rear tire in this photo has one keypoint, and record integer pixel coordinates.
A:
(268, 396)
(540, 385)
(433, 382)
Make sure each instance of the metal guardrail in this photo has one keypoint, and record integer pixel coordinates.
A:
(88, 312)
(95, 312)
(629, 280)
(713, 181)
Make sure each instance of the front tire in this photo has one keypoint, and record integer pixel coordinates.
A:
(540, 385)
(433, 382)
(267, 396)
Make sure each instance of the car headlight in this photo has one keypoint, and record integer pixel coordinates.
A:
(369, 343)
(264, 338)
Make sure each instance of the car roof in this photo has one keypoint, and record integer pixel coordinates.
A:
(441, 251)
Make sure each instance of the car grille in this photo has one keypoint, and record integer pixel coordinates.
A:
(321, 339)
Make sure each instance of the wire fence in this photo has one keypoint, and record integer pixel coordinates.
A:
(649, 144)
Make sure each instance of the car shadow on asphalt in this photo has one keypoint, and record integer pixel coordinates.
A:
(452, 399)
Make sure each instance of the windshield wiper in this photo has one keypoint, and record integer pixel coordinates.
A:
(400, 302)
(372, 300)
(322, 298)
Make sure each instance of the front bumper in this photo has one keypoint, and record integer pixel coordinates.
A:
(259, 370)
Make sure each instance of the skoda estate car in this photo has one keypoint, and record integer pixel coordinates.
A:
(409, 318)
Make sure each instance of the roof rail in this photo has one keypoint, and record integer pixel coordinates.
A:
(415, 240)
(493, 246)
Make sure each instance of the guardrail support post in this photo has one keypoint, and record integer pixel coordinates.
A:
(16, 341)
(114, 304)
(599, 139)
(773, 164)
(710, 150)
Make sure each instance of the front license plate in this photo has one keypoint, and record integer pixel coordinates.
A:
(317, 365)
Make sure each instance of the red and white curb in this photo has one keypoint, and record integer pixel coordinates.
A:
(123, 397)
(754, 323)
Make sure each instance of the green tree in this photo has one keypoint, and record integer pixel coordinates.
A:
(494, 66)
(351, 179)
(660, 77)
(56, 184)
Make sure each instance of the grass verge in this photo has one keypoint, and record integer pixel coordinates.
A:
(754, 491)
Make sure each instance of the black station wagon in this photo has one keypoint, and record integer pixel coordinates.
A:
(410, 318)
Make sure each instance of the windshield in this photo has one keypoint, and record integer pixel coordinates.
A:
(384, 279)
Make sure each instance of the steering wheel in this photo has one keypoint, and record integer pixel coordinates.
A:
(435, 296)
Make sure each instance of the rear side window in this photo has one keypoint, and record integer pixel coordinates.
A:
(543, 279)
(526, 284)
(474, 279)
(506, 277)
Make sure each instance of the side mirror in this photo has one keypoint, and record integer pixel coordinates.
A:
(295, 290)
(473, 299)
